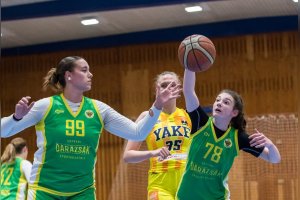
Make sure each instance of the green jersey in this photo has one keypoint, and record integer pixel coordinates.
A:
(13, 181)
(209, 161)
(67, 148)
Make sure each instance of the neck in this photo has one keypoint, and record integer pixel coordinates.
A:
(21, 156)
(221, 124)
(74, 96)
(169, 108)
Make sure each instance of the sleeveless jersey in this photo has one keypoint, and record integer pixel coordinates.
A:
(172, 131)
(13, 181)
(209, 161)
(67, 148)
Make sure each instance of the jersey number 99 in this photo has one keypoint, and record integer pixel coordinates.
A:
(75, 128)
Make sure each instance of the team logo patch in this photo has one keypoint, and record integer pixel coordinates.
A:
(89, 114)
(58, 111)
(227, 143)
(184, 122)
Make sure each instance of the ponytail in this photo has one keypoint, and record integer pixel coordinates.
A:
(12, 149)
(9, 154)
(52, 80)
(55, 78)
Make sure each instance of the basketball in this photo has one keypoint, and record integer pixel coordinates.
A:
(196, 53)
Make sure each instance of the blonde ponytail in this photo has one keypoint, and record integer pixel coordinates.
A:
(12, 149)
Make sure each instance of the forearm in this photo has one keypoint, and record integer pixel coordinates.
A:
(191, 99)
(274, 155)
(271, 154)
(8, 126)
(133, 156)
(127, 129)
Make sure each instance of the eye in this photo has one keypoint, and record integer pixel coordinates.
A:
(164, 85)
(226, 102)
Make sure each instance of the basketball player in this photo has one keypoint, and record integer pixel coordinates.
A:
(15, 170)
(215, 142)
(167, 145)
(68, 128)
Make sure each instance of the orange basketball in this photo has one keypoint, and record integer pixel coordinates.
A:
(196, 53)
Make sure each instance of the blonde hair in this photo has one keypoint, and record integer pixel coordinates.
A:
(12, 149)
(55, 78)
(159, 76)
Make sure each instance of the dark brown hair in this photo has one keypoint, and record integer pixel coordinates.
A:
(55, 78)
(239, 121)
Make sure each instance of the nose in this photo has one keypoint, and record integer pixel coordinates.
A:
(90, 75)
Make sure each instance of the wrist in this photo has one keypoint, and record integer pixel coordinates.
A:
(157, 106)
(16, 118)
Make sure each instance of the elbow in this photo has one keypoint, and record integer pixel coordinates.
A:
(125, 158)
(276, 161)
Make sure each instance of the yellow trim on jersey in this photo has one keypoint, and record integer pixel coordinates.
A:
(202, 128)
(236, 142)
(101, 121)
(98, 113)
(41, 127)
(64, 194)
(21, 182)
(214, 133)
(68, 107)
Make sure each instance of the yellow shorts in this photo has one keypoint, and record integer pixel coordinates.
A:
(163, 185)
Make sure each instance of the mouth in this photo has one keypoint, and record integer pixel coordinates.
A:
(217, 110)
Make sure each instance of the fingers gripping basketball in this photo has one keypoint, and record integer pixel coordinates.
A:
(196, 53)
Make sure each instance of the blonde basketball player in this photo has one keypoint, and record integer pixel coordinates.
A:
(167, 145)
(15, 170)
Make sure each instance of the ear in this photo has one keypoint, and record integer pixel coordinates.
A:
(235, 112)
(24, 149)
(67, 74)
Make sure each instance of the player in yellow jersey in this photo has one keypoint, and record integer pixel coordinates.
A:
(15, 170)
(68, 128)
(167, 146)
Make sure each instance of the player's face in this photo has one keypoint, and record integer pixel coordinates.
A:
(165, 80)
(223, 106)
(81, 77)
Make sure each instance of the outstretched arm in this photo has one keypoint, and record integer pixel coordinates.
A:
(25, 115)
(191, 99)
(270, 152)
(123, 127)
(133, 155)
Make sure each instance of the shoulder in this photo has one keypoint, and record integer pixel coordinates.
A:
(26, 163)
(100, 104)
(42, 104)
(242, 135)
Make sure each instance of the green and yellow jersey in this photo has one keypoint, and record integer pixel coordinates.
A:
(67, 148)
(209, 161)
(13, 181)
